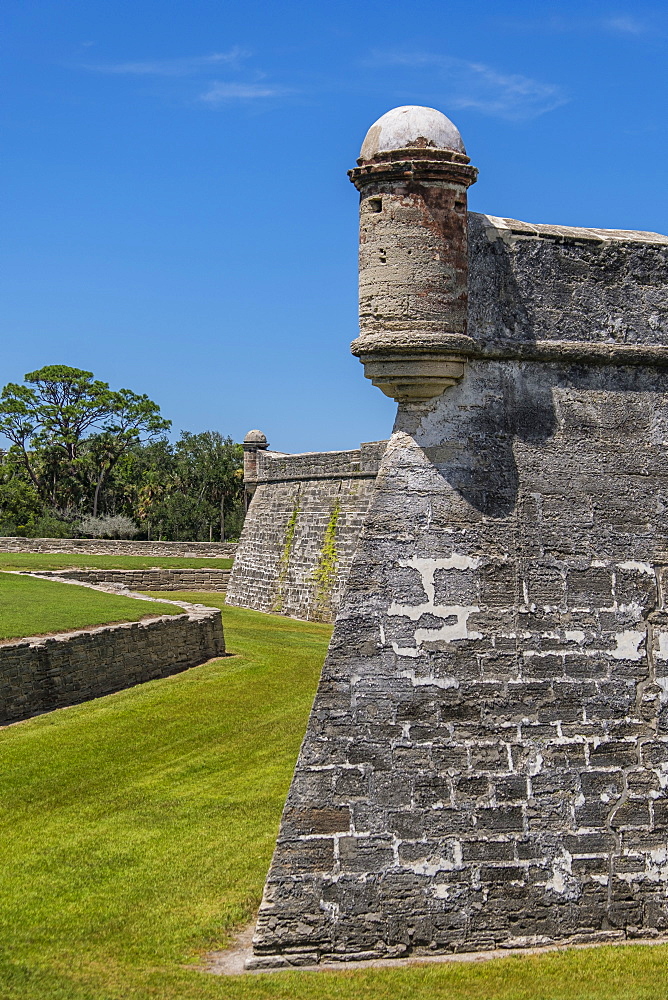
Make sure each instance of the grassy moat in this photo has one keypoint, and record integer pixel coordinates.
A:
(137, 830)
(30, 607)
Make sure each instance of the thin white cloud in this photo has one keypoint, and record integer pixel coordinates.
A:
(187, 66)
(620, 23)
(217, 92)
(625, 25)
(476, 85)
(220, 92)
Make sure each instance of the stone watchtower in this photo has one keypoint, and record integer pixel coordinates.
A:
(486, 762)
(253, 442)
(413, 175)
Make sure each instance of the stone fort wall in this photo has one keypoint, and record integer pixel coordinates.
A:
(119, 547)
(148, 579)
(40, 674)
(301, 530)
(487, 759)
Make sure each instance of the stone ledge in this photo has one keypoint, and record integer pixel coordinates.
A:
(314, 961)
(39, 674)
(510, 229)
(119, 547)
(239, 959)
(312, 476)
(214, 580)
(575, 352)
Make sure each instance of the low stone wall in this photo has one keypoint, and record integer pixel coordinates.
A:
(148, 579)
(120, 547)
(40, 674)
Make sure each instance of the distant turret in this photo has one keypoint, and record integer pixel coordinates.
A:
(253, 442)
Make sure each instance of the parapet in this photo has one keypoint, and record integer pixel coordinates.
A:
(555, 293)
(360, 463)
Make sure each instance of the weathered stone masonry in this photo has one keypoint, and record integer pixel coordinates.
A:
(119, 547)
(148, 579)
(301, 529)
(40, 674)
(486, 761)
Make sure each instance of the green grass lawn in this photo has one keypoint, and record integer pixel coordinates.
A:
(136, 832)
(38, 607)
(36, 561)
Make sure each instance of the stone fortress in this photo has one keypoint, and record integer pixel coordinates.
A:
(486, 761)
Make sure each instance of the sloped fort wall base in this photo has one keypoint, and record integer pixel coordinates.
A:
(487, 756)
(486, 761)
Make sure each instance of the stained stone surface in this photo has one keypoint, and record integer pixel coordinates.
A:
(301, 530)
(486, 762)
(412, 271)
(532, 286)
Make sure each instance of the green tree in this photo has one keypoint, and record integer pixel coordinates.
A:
(131, 417)
(193, 490)
(210, 466)
(70, 430)
(20, 506)
(140, 482)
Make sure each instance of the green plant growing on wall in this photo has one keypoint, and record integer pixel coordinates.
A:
(324, 575)
(284, 561)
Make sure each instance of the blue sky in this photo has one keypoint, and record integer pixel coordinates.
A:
(175, 209)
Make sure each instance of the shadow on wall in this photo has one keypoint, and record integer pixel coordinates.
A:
(498, 310)
(490, 480)
(594, 402)
(518, 407)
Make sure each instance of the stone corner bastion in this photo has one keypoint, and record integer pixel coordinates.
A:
(486, 761)
(41, 673)
(304, 516)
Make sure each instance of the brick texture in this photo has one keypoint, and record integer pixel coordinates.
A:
(301, 531)
(119, 547)
(148, 579)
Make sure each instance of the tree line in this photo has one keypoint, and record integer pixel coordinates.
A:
(87, 460)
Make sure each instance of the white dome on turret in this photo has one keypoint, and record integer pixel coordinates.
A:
(255, 437)
(409, 126)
